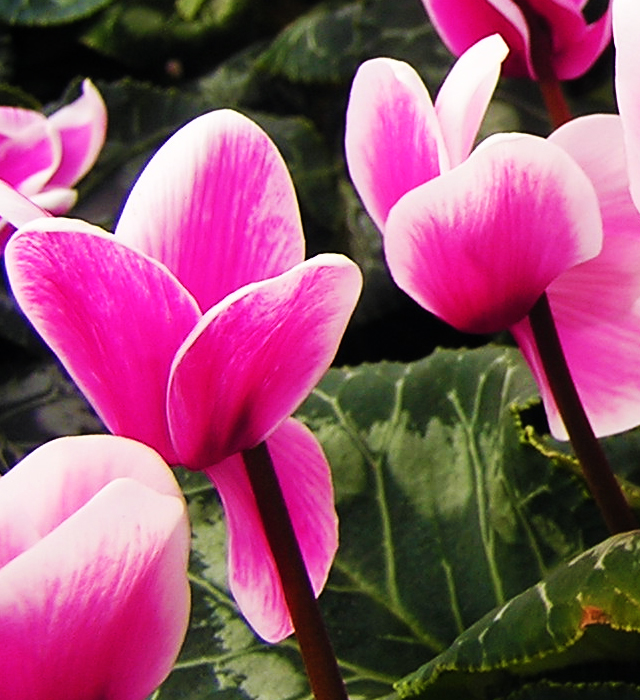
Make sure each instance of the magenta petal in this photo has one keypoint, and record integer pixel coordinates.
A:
(626, 29)
(254, 357)
(582, 44)
(58, 478)
(30, 149)
(82, 127)
(305, 479)
(462, 23)
(113, 316)
(393, 140)
(98, 607)
(217, 206)
(478, 245)
(465, 94)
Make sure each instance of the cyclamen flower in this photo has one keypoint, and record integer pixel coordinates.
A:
(94, 596)
(557, 27)
(44, 157)
(478, 244)
(198, 329)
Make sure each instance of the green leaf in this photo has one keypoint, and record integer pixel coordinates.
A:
(585, 616)
(48, 12)
(444, 514)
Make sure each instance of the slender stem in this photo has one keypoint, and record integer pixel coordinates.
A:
(595, 467)
(541, 46)
(315, 645)
(555, 102)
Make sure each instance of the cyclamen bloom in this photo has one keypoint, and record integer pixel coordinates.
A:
(478, 244)
(557, 27)
(198, 329)
(94, 596)
(44, 157)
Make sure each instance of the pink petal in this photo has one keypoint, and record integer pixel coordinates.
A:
(57, 479)
(581, 44)
(462, 23)
(305, 479)
(56, 201)
(595, 304)
(82, 127)
(478, 245)
(254, 357)
(113, 316)
(626, 29)
(393, 140)
(30, 149)
(15, 210)
(465, 94)
(217, 206)
(98, 608)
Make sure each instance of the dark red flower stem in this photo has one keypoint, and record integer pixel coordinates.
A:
(541, 42)
(598, 474)
(315, 646)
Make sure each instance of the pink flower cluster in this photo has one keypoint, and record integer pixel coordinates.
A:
(196, 329)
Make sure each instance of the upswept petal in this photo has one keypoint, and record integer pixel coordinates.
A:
(305, 479)
(465, 94)
(98, 608)
(30, 149)
(626, 29)
(478, 245)
(255, 356)
(393, 140)
(461, 23)
(58, 478)
(595, 304)
(217, 206)
(113, 316)
(82, 128)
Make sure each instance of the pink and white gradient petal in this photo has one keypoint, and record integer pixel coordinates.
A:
(304, 476)
(464, 247)
(393, 139)
(100, 304)
(217, 206)
(463, 99)
(254, 357)
(56, 201)
(82, 129)
(97, 607)
(595, 304)
(63, 475)
(626, 29)
(30, 149)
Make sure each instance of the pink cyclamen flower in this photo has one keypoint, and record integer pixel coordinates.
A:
(396, 139)
(44, 157)
(198, 328)
(479, 243)
(555, 27)
(94, 596)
